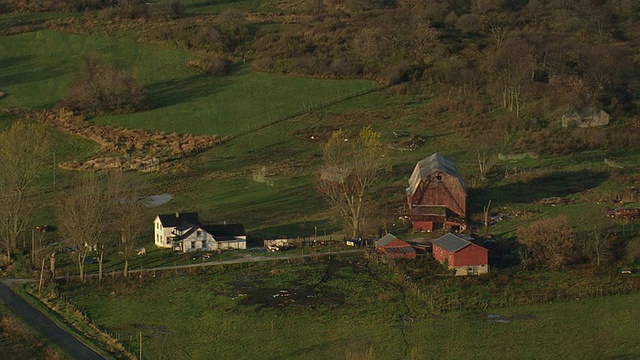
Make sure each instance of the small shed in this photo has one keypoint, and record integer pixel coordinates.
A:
(436, 196)
(461, 255)
(395, 248)
(589, 117)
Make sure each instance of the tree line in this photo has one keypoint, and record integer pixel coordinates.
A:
(99, 212)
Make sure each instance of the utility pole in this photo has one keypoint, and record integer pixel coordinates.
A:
(140, 337)
(41, 271)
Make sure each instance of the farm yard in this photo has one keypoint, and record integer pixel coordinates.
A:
(238, 103)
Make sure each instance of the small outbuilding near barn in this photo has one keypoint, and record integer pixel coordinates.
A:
(436, 196)
(395, 248)
(461, 255)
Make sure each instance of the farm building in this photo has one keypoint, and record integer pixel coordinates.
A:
(395, 248)
(209, 238)
(165, 225)
(436, 196)
(461, 255)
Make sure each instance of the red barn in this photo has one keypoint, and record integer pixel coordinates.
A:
(461, 255)
(436, 195)
(395, 248)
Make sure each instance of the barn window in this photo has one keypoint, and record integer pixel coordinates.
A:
(193, 244)
(199, 233)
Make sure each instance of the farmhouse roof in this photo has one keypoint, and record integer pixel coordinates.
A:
(177, 219)
(428, 166)
(385, 240)
(452, 242)
(225, 230)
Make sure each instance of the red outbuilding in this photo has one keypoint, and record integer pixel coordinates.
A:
(395, 248)
(461, 255)
(436, 195)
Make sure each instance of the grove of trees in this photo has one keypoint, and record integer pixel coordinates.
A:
(102, 217)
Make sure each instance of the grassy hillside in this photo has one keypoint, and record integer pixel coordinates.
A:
(184, 100)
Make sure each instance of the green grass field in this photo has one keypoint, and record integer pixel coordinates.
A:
(339, 310)
(38, 69)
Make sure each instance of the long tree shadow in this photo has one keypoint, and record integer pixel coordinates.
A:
(16, 70)
(176, 91)
(559, 184)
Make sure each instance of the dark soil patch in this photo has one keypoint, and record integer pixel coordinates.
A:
(254, 291)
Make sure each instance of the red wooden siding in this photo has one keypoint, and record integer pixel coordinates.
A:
(441, 189)
(467, 256)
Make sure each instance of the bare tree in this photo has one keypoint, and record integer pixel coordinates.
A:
(82, 221)
(348, 172)
(127, 215)
(598, 238)
(23, 162)
(550, 242)
(511, 69)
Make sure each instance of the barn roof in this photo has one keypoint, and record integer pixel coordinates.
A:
(452, 242)
(425, 167)
(385, 240)
(400, 250)
(173, 220)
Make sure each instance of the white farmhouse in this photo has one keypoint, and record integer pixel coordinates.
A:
(165, 227)
(210, 238)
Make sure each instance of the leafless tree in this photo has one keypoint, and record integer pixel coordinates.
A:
(348, 171)
(23, 161)
(82, 218)
(599, 238)
(127, 212)
(512, 67)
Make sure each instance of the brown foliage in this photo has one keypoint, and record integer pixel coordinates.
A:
(124, 149)
(551, 242)
(103, 88)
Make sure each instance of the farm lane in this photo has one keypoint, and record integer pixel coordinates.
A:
(245, 260)
(45, 326)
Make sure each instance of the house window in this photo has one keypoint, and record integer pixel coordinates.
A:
(199, 233)
(193, 244)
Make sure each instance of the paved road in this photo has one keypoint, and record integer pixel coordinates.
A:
(72, 346)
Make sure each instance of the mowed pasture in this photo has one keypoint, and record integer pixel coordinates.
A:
(341, 309)
(39, 68)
